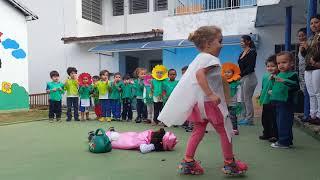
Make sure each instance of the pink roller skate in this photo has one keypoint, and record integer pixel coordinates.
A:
(192, 168)
(234, 168)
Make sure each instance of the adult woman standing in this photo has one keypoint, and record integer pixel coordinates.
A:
(312, 73)
(303, 45)
(247, 64)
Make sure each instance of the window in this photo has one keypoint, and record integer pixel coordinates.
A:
(160, 5)
(118, 7)
(92, 10)
(139, 6)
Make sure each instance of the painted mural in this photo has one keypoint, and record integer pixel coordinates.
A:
(12, 95)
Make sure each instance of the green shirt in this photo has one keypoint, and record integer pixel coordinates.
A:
(158, 87)
(267, 84)
(71, 86)
(146, 95)
(115, 90)
(234, 87)
(103, 89)
(281, 91)
(95, 95)
(127, 91)
(85, 92)
(169, 86)
(55, 95)
(138, 88)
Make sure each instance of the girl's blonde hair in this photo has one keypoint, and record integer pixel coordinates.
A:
(203, 35)
(137, 71)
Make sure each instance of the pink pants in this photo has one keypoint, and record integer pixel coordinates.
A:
(215, 118)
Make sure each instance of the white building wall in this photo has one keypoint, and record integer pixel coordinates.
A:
(13, 26)
(47, 51)
(232, 22)
(88, 28)
(131, 23)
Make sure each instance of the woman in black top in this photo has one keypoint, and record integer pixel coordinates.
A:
(247, 64)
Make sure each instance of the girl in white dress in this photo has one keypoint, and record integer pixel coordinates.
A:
(199, 97)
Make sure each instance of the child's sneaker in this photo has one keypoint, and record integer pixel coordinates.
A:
(236, 132)
(279, 146)
(234, 168)
(51, 120)
(90, 135)
(102, 119)
(59, 120)
(109, 119)
(192, 168)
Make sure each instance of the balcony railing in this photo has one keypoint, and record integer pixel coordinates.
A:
(39, 100)
(196, 6)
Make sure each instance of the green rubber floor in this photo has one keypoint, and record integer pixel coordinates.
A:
(59, 151)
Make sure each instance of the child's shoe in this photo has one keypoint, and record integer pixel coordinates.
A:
(102, 119)
(236, 132)
(51, 120)
(109, 119)
(263, 137)
(90, 135)
(273, 139)
(58, 120)
(279, 146)
(234, 168)
(192, 168)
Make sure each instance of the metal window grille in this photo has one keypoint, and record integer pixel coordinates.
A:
(92, 10)
(139, 6)
(118, 7)
(160, 5)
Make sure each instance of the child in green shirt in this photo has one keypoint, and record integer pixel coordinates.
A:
(115, 96)
(85, 91)
(97, 105)
(55, 90)
(103, 87)
(127, 95)
(231, 75)
(160, 75)
(147, 98)
(71, 86)
(170, 84)
(138, 93)
(286, 83)
(268, 119)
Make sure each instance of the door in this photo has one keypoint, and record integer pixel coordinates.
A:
(153, 63)
(132, 63)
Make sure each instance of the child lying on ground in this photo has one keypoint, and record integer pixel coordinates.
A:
(145, 141)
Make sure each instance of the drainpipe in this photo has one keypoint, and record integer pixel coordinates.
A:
(125, 16)
(312, 11)
(100, 62)
(288, 28)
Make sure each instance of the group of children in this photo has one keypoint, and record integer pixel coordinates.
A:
(279, 86)
(113, 100)
(211, 98)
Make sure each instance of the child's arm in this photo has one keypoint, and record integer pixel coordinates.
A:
(201, 76)
(61, 89)
(81, 88)
(48, 88)
(291, 82)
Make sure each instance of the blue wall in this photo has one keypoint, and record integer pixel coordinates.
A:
(180, 57)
